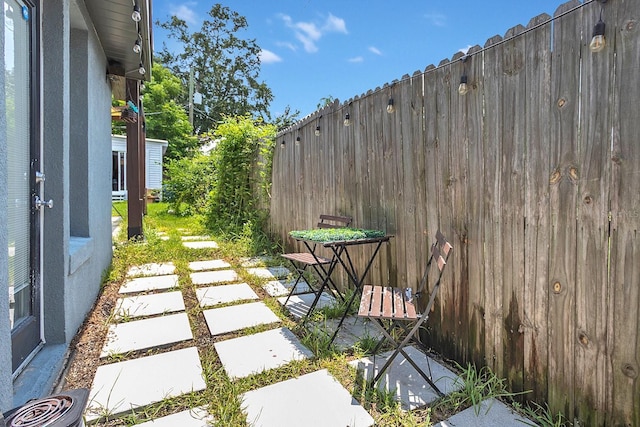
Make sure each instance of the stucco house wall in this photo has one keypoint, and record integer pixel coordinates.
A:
(76, 135)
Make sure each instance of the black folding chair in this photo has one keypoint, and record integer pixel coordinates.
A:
(302, 260)
(395, 309)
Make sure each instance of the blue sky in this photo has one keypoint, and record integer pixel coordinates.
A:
(313, 49)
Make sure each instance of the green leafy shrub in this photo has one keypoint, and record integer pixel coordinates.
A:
(190, 181)
(241, 142)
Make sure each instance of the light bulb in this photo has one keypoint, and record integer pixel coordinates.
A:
(463, 88)
(282, 144)
(317, 131)
(298, 140)
(135, 15)
(141, 69)
(598, 42)
(390, 107)
(347, 121)
(136, 47)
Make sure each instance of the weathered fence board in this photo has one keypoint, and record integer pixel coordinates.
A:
(534, 175)
(624, 331)
(474, 237)
(565, 72)
(493, 208)
(536, 208)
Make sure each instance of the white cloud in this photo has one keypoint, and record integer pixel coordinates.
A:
(437, 19)
(334, 24)
(465, 49)
(375, 50)
(356, 59)
(287, 45)
(309, 33)
(185, 12)
(268, 57)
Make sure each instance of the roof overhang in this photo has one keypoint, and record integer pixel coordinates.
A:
(118, 33)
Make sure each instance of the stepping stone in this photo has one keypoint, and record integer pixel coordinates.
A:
(149, 305)
(412, 391)
(269, 272)
(236, 317)
(192, 238)
(353, 330)
(147, 333)
(490, 413)
(213, 264)
(196, 417)
(123, 386)
(200, 244)
(257, 261)
(298, 305)
(317, 398)
(260, 352)
(277, 288)
(209, 277)
(145, 284)
(152, 269)
(223, 294)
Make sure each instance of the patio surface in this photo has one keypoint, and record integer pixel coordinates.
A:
(151, 295)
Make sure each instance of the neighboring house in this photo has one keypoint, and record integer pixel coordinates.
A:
(154, 153)
(62, 60)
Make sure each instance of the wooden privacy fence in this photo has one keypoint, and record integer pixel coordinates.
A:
(534, 175)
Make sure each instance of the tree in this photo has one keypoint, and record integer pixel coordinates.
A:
(226, 67)
(165, 117)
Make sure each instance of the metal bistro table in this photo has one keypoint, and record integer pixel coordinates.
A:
(340, 249)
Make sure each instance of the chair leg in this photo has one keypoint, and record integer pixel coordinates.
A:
(399, 349)
(295, 285)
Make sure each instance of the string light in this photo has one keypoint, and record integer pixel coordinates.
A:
(463, 87)
(390, 107)
(317, 132)
(136, 46)
(135, 15)
(141, 69)
(347, 120)
(598, 41)
(298, 139)
(282, 144)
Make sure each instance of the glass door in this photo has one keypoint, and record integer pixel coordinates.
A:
(25, 183)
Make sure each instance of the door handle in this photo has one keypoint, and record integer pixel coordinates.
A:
(39, 203)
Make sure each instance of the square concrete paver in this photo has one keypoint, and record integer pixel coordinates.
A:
(200, 244)
(192, 238)
(298, 305)
(222, 294)
(213, 264)
(353, 330)
(196, 417)
(147, 333)
(236, 317)
(412, 391)
(277, 288)
(490, 413)
(315, 399)
(209, 277)
(260, 352)
(269, 272)
(149, 305)
(136, 383)
(256, 261)
(152, 269)
(145, 284)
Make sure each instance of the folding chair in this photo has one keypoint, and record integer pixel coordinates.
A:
(302, 260)
(395, 308)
